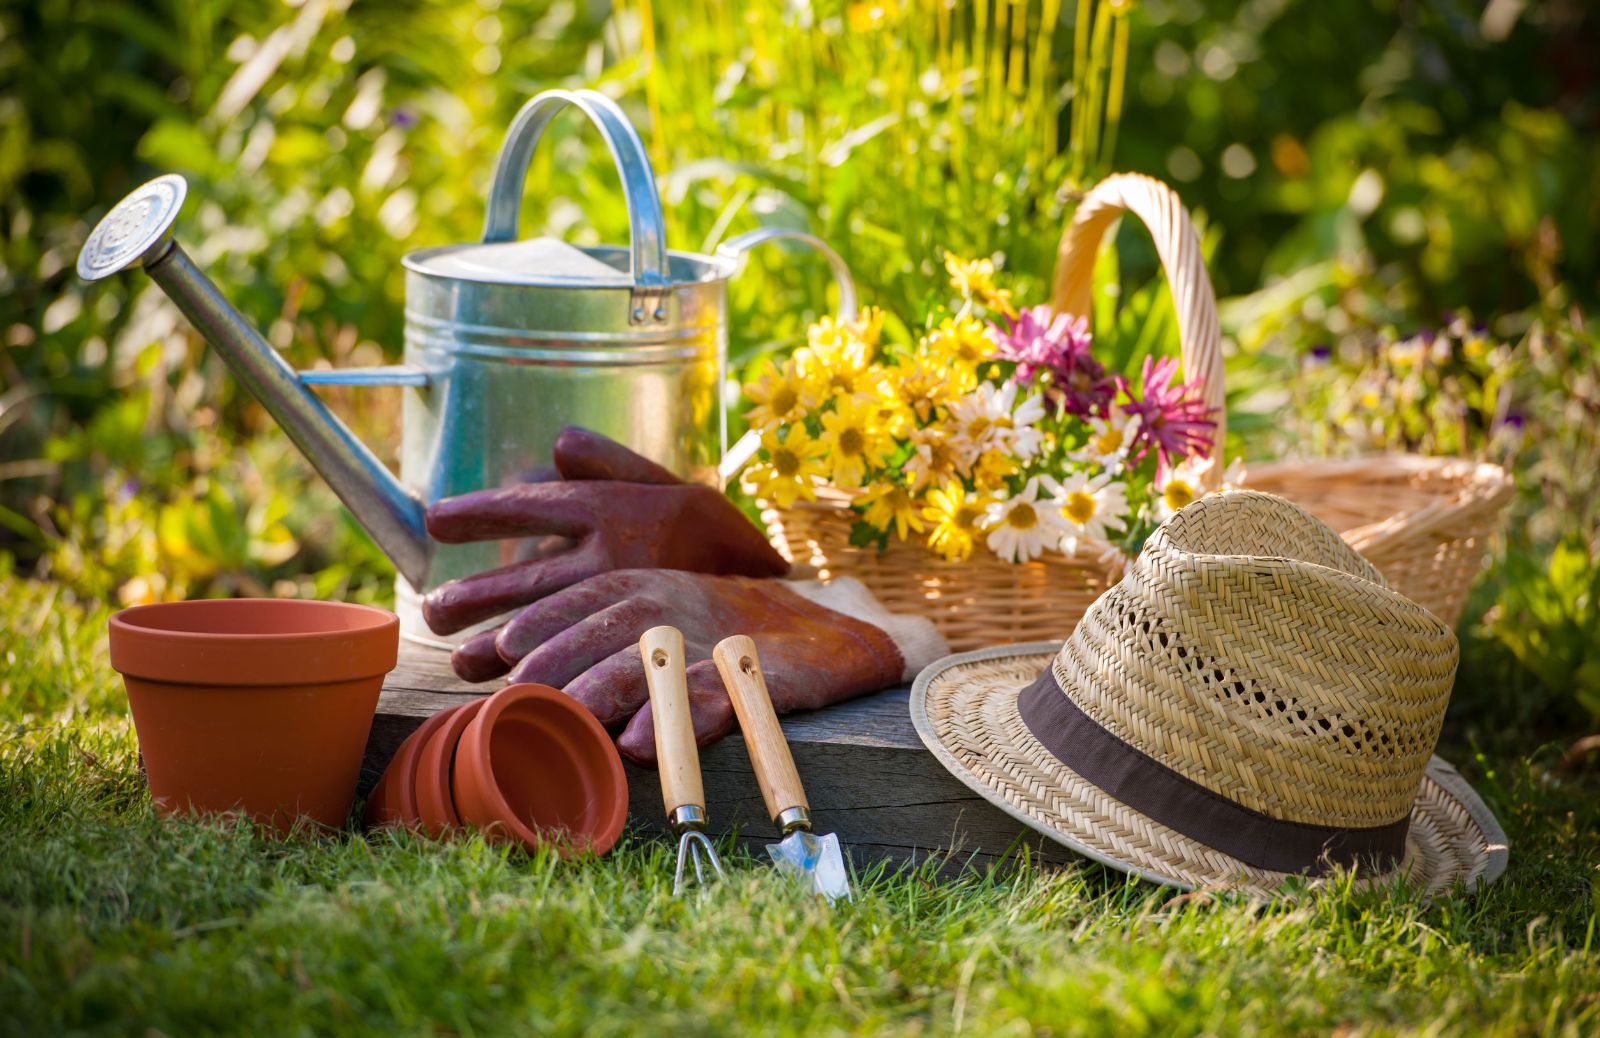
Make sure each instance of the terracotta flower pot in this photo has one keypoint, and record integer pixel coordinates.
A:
(435, 801)
(393, 801)
(257, 705)
(536, 768)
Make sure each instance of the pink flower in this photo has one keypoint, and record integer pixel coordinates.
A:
(1173, 419)
(1039, 339)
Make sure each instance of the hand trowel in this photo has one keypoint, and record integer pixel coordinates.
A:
(815, 861)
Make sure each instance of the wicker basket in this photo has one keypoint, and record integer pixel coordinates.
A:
(1423, 522)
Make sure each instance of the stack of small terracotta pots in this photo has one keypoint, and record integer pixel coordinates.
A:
(527, 765)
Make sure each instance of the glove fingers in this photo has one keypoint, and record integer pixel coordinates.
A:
(465, 601)
(569, 653)
(583, 454)
(550, 616)
(709, 707)
(613, 689)
(519, 510)
(476, 659)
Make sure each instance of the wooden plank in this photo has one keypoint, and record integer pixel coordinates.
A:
(866, 772)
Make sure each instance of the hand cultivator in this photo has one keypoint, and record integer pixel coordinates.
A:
(681, 788)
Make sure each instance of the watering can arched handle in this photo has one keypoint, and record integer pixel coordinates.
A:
(647, 229)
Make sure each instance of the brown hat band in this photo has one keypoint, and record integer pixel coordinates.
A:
(1150, 787)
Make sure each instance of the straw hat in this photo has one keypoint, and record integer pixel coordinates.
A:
(1252, 701)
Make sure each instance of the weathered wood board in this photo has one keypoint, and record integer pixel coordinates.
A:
(866, 773)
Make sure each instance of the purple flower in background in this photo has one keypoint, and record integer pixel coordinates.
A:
(404, 118)
(1173, 419)
(1041, 340)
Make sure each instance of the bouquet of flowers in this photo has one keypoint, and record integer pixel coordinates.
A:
(997, 428)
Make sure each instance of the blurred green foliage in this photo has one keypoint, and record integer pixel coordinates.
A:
(1360, 170)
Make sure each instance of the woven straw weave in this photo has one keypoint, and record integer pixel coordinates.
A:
(968, 716)
(1253, 652)
(1423, 522)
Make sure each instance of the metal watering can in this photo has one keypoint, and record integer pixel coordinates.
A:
(506, 342)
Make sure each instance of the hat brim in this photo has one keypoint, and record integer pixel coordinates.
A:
(965, 709)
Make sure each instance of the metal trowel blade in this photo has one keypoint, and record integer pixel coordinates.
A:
(815, 861)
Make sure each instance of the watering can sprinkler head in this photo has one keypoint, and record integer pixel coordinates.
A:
(136, 232)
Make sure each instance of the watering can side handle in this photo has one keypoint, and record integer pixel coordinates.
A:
(646, 226)
(734, 250)
(740, 246)
(378, 375)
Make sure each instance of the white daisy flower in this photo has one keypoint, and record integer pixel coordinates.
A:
(1182, 485)
(1023, 527)
(1110, 441)
(1026, 440)
(1088, 507)
(989, 419)
(1233, 477)
(976, 417)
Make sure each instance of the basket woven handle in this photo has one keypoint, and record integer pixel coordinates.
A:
(1178, 246)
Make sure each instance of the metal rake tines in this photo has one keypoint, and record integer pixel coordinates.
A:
(694, 847)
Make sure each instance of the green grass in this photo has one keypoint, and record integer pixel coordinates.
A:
(114, 922)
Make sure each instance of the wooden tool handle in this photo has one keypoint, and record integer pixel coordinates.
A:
(676, 755)
(763, 737)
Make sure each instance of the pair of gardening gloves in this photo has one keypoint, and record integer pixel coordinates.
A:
(619, 545)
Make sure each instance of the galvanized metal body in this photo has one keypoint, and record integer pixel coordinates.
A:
(506, 343)
(510, 365)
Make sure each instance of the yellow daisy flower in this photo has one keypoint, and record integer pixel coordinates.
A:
(921, 385)
(837, 366)
(791, 469)
(974, 279)
(890, 504)
(781, 395)
(959, 520)
(959, 345)
(891, 415)
(993, 467)
(865, 329)
(868, 325)
(855, 442)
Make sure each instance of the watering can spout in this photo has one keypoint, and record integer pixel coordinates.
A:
(136, 233)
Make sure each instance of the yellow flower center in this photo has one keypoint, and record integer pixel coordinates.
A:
(842, 381)
(785, 462)
(898, 500)
(1080, 507)
(784, 400)
(1022, 517)
(966, 517)
(1108, 442)
(977, 428)
(1178, 494)
(851, 442)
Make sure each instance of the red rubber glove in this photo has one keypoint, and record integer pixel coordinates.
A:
(585, 639)
(611, 509)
